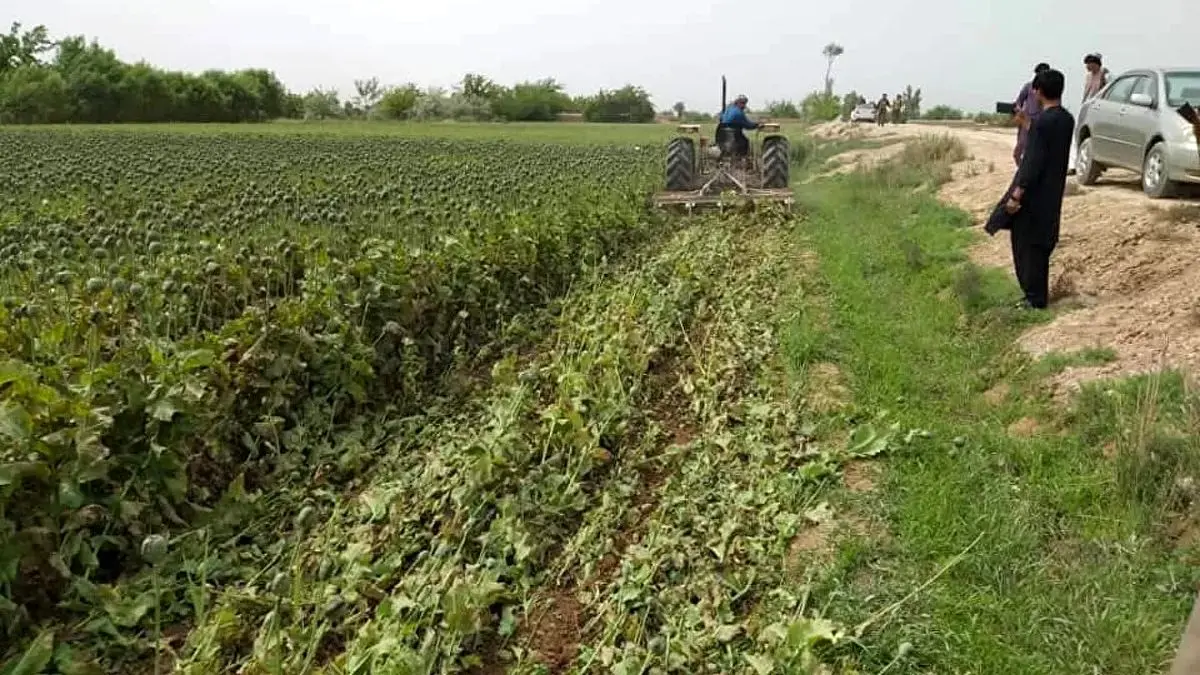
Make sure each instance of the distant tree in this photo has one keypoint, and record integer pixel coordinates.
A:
(539, 101)
(33, 95)
(86, 82)
(23, 48)
(912, 102)
(479, 87)
(849, 103)
(627, 104)
(398, 102)
(321, 104)
(679, 108)
(831, 51)
(785, 109)
(293, 106)
(367, 94)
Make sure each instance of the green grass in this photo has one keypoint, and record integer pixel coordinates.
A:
(1071, 563)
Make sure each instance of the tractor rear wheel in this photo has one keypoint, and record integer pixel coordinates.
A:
(776, 162)
(681, 164)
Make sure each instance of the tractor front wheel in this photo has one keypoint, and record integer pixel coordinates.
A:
(776, 162)
(681, 164)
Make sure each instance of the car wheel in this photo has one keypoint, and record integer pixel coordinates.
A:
(1155, 181)
(1087, 169)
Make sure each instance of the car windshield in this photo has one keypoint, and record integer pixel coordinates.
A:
(1183, 87)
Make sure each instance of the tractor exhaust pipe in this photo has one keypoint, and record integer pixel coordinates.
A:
(724, 102)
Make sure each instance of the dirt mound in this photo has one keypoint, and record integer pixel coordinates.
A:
(856, 160)
(839, 130)
(1125, 264)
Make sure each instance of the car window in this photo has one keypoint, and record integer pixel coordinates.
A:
(1121, 89)
(1183, 87)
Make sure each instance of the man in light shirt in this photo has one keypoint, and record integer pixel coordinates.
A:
(1097, 76)
(1094, 81)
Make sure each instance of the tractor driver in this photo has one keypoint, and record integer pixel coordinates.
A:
(734, 118)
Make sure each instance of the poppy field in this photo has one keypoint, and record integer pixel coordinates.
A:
(279, 403)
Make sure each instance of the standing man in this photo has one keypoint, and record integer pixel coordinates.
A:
(898, 109)
(1026, 109)
(1094, 81)
(881, 111)
(1096, 78)
(1036, 198)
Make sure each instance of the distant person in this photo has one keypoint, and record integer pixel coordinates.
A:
(1035, 201)
(881, 110)
(734, 118)
(898, 109)
(1096, 78)
(1026, 110)
(1094, 81)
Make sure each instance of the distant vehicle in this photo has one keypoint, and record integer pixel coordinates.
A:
(1134, 124)
(863, 113)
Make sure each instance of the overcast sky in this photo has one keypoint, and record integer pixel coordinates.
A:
(966, 53)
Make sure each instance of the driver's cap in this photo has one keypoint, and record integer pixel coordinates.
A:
(741, 99)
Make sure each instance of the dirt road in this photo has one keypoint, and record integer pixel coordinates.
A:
(1125, 276)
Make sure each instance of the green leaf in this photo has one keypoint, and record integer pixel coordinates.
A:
(13, 371)
(163, 410)
(36, 657)
(11, 472)
(67, 663)
(15, 423)
(69, 495)
(763, 664)
(197, 358)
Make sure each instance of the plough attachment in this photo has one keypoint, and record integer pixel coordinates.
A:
(725, 189)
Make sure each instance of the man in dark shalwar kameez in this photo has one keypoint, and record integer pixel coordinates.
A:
(1035, 201)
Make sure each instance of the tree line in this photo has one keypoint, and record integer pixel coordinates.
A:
(45, 81)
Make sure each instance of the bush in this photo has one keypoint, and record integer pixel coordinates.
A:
(540, 101)
(820, 107)
(398, 102)
(627, 104)
(943, 112)
(849, 103)
(785, 109)
(995, 119)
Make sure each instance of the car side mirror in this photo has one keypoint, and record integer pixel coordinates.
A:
(1141, 99)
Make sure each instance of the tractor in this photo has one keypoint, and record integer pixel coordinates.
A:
(703, 174)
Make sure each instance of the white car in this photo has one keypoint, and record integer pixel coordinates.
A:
(863, 113)
(1134, 124)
